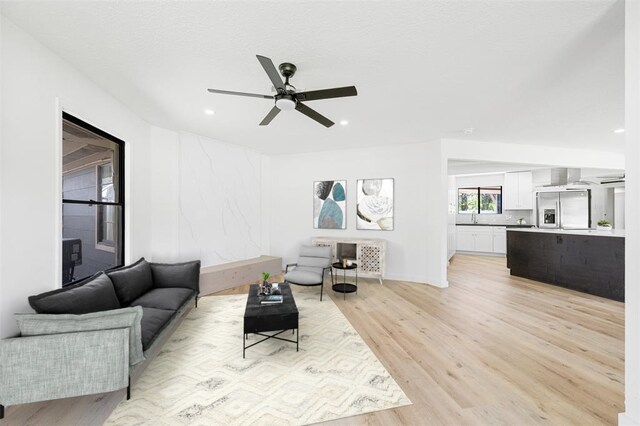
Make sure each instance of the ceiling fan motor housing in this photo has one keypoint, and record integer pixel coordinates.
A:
(287, 69)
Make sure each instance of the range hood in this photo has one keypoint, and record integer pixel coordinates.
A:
(613, 180)
(563, 177)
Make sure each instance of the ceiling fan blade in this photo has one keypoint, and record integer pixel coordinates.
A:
(338, 92)
(272, 114)
(314, 115)
(271, 71)
(251, 95)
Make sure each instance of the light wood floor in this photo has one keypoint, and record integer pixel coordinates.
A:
(490, 349)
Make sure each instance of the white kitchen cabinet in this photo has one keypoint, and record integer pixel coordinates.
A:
(510, 191)
(517, 191)
(482, 239)
(484, 243)
(500, 240)
(465, 241)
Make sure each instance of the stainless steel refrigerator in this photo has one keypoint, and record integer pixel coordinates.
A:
(570, 209)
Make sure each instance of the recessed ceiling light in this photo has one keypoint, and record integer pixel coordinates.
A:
(209, 112)
(468, 130)
(618, 131)
(343, 122)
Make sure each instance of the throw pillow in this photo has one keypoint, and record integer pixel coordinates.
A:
(131, 282)
(43, 324)
(91, 295)
(185, 274)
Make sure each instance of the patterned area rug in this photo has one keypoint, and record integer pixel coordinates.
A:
(200, 377)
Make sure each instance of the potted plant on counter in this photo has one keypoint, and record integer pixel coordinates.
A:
(604, 225)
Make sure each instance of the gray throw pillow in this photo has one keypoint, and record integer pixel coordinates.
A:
(44, 324)
(132, 281)
(91, 295)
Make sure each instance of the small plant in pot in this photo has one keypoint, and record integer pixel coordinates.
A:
(266, 286)
(603, 225)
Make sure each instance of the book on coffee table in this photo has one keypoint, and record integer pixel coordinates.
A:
(270, 298)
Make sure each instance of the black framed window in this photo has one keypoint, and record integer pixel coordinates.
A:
(480, 200)
(92, 200)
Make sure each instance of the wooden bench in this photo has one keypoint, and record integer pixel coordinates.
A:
(228, 275)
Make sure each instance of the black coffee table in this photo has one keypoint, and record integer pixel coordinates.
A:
(280, 317)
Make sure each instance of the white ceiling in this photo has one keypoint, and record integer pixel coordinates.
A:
(528, 72)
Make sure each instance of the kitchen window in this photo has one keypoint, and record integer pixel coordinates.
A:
(92, 200)
(480, 200)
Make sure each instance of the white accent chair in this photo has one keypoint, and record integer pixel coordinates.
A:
(312, 264)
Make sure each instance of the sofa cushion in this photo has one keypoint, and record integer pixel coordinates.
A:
(132, 281)
(185, 275)
(129, 318)
(91, 295)
(153, 322)
(164, 298)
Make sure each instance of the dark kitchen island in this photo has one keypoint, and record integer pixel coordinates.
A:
(584, 260)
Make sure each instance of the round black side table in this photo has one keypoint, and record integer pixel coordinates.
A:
(345, 287)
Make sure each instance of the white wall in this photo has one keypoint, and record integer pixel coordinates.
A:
(414, 251)
(35, 86)
(632, 240)
(186, 196)
(2, 317)
(207, 199)
(452, 209)
(165, 189)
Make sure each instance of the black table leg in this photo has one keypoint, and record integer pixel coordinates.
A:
(344, 284)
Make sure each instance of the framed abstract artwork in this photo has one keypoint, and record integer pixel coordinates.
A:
(374, 210)
(330, 204)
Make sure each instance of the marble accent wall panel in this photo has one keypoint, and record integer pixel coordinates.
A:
(219, 200)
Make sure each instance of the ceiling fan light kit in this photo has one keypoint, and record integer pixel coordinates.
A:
(286, 103)
(287, 98)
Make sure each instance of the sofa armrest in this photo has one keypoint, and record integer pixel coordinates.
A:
(49, 324)
(39, 368)
(185, 275)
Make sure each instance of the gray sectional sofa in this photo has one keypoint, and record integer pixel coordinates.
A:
(94, 336)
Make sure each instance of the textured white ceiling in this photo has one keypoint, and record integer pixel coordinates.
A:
(534, 72)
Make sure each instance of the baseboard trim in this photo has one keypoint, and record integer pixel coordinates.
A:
(625, 420)
(480, 253)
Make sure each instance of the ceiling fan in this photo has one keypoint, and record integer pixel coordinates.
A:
(287, 98)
